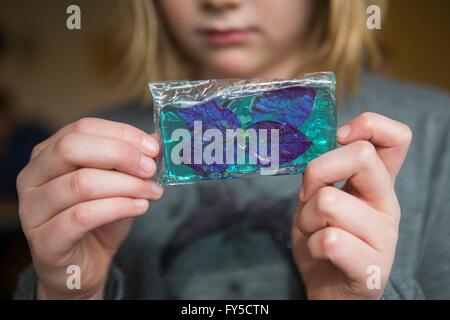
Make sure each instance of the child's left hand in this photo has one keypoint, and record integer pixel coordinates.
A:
(338, 234)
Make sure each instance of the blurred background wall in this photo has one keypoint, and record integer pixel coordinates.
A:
(416, 40)
(49, 69)
(50, 75)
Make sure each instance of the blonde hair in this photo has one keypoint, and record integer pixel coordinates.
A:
(339, 41)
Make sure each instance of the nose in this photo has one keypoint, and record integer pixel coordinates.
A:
(220, 5)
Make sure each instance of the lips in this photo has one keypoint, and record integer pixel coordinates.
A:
(226, 37)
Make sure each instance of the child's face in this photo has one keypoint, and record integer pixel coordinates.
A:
(239, 38)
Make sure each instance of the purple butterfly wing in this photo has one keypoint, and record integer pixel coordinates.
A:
(290, 106)
(212, 115)
(292, 143)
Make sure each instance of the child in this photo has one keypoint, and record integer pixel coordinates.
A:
(264, 237)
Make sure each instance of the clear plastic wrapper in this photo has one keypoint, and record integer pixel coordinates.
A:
(225, 129)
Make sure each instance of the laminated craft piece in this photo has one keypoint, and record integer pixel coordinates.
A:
(225, 129)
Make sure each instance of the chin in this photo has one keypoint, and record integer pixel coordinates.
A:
(232, 65)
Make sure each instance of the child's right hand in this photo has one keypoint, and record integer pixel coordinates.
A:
(77, 197)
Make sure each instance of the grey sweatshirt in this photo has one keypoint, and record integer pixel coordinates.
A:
(230, 239)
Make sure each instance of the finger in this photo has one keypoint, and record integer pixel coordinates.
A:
(358, 163)
(348, 253)
(70, 226)
(148, 144)
(331, 207)
(391, 138)
(300, 250)
(84, 185)
(77, 150)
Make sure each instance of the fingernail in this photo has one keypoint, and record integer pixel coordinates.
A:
(156, 189)
(147, 164)
(149, 145)
(141, 204)
(344, 131)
